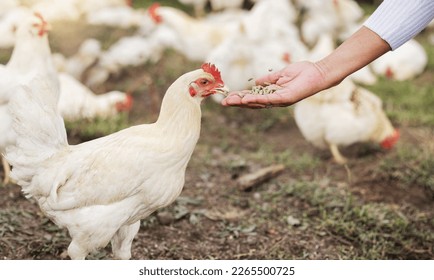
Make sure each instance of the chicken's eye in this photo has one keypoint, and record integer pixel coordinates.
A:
(204, 82)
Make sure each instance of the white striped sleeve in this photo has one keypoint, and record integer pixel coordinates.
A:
(397, 21)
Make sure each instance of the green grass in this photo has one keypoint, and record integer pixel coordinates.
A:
(5, 55)
(363, 230)
(406, 102)
(146, 3)
(410, 167)
(91, 129)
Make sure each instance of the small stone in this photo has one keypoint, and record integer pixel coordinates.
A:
(293, 221)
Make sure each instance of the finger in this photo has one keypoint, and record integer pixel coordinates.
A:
(271, 78)
(233, 98)
(270, 100)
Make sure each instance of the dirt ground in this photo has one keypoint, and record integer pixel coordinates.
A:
(315, 209)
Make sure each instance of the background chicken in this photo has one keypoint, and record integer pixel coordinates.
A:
(79, 102)
(31, 55)
(76, 65)
(196, 37)
(344, 115)
(404, 63)
(75, 186)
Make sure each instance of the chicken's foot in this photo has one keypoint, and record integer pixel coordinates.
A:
(7, 171)
(337, 156)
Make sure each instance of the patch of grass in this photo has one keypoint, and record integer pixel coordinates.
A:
(363, 231)
(5, 54)
(146, 3)
(410, 167)
(405, 102)
(297, 162)
(90, 129)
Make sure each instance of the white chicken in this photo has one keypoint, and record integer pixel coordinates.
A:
(119, 17)
(54, 10)
(6, 138)
(130, 51)
(88, 6)
(77, 102)
(196, 37)
(99, 190)
(329, 16)
(404, 63)
(7, 5)
(259, 26)
(87, 55)
(344, 115)
(31, 55)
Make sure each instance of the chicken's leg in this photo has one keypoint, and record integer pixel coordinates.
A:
(6, 169)
(76, 252)
(121, 242)
(337, 156)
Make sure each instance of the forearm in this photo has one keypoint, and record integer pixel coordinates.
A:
(359, 50)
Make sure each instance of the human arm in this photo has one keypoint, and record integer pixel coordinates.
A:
(303, 79)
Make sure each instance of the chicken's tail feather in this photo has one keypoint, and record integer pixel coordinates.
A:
(39, 128)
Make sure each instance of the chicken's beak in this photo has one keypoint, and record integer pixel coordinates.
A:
(222, 90)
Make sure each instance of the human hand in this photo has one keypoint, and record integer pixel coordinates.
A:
(295, 82)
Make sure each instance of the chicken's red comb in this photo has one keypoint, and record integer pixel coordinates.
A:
(390, 141)
(152, 10)
(212, 69)
(38, 15)
(43, 27)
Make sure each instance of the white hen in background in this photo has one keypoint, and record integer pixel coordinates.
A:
(99, 190)
(119, 17)
(7, 5)
(129, 52)
(54, 10)
(77, 102)
(31, 55)
(87, 55)
(404, 63)
(328, 16)
(196, 37)
(344, 115)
